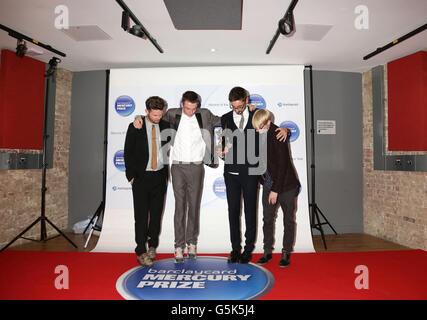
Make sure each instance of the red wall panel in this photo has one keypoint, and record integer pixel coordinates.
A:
(22, 89)
(407, 103)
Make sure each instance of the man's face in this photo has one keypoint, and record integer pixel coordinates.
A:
(239, 105)
(189, 108)
(154, 116)
(264, 128)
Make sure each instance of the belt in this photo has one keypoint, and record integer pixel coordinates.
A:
(185, 162)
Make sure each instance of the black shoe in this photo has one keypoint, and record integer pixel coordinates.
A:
(245, 257)
(264, 259)
(234, 256)
(286, 260)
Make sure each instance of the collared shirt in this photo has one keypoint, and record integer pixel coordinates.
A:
(238, 117)
(189, 145)
(149, 129)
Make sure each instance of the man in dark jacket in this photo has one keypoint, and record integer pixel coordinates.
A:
(147, 170)
(241, 154)
(281, 185)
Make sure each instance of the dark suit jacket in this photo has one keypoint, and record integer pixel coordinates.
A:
(279, 163)
(227, 122)
(137, 153)
(207, 122)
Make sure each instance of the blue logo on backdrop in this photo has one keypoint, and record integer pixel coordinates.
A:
(119, 160)
(219, 188)
(204, 278)
(294, 129)
(257, 101)
(124, 105)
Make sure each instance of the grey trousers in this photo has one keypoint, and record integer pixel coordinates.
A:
(187, 182)
(287, 201)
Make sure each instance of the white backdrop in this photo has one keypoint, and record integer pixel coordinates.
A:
(280, 89)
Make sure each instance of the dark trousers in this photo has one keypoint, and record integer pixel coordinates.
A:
(236, 185)
(287, 201)
(148, 201)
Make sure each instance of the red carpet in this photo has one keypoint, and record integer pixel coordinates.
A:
(319, 276)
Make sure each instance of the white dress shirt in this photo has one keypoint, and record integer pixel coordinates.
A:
(238, 117)
(189, 145)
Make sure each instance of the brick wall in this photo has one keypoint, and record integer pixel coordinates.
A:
(394, 202)
(20, 190)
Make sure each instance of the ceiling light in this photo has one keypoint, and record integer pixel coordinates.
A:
(21, 48)
(286, 24)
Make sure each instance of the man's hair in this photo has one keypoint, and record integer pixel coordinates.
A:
(237, 93)
(191, 97)
(155, 103)
(260, 118)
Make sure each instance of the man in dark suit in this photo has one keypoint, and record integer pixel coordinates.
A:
(241, 148)
(280, 186)
(147, 170)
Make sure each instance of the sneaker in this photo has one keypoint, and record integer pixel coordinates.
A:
(192, 251)
(234, 256)
(264, 259)
(286, 260)
(245, 257)
(144, 260)
(151, 253)
(179, 257)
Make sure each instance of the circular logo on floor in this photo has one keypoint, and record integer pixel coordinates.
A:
(204, 278)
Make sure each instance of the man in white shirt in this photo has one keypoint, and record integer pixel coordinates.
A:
(193, 147)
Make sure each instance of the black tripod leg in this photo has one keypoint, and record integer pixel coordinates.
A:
(61, 233)
(320, 226)
(327, 221)
(96, 214)
(20, 235)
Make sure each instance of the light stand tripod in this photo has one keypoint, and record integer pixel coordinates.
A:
(100, 211)
(43, 219)
(314, 209)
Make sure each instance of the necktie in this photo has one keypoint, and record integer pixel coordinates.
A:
(153, 148)
(242, 121)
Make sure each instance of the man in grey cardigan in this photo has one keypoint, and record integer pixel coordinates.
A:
(193, 147)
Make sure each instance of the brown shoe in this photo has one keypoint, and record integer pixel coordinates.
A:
(144, 260)
(151, 253)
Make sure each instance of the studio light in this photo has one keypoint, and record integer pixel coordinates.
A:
(21, 48)
(53, 63)
(137, 29)
(286, 24)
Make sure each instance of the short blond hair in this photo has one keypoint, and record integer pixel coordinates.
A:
(260, 118)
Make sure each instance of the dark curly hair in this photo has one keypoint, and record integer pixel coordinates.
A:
(155, 103)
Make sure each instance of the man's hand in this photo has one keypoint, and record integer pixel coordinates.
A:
(226, 149)
(137, 123)
(272, 198)
(131, 182)
(283, 134)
